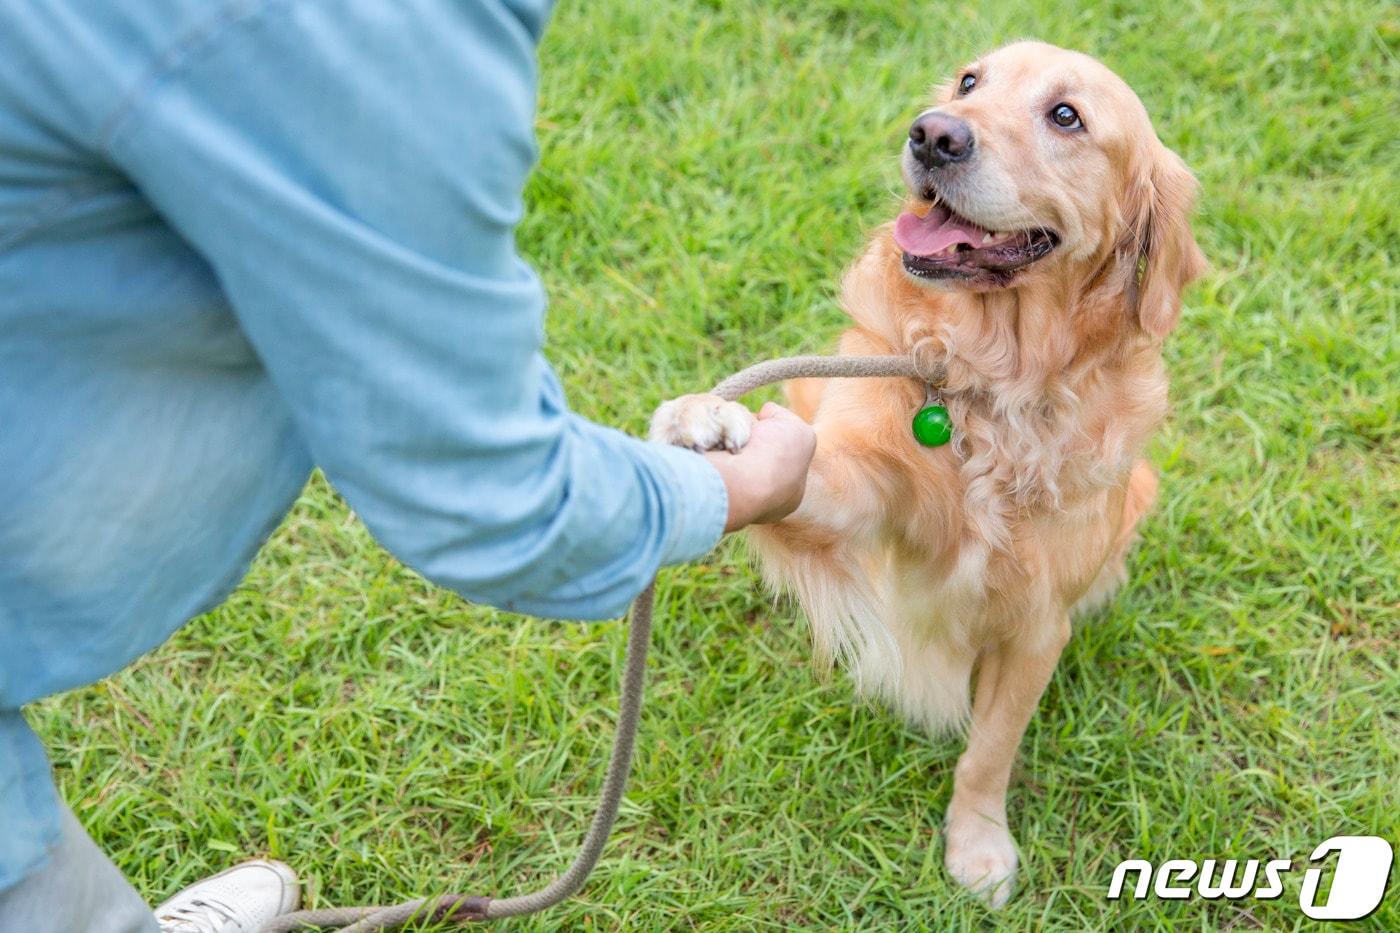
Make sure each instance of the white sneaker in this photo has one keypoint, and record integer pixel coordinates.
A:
(237, 900)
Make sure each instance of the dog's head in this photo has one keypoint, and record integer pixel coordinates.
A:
(1036, 161)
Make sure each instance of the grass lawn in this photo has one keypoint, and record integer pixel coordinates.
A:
(707, 170)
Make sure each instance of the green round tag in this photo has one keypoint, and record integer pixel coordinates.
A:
(932, 426)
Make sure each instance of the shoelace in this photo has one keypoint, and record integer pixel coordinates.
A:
(202, 916)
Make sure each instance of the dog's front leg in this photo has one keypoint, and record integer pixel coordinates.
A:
(978, 849)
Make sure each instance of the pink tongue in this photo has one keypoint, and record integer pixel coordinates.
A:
(925, 236)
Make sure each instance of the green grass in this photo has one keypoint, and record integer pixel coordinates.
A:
(707, 170)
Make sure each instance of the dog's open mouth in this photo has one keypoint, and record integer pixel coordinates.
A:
(945, 245)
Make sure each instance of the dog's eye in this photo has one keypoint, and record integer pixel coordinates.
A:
(1065, 117)
(966, 83)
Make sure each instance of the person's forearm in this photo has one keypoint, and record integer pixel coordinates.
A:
(577, 535)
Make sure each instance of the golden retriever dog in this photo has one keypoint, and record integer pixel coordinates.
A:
(1039, 258)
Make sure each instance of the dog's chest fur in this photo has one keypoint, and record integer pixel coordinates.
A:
(1045, 421)
(1025, 498)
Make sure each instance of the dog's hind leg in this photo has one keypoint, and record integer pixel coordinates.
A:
(1140, 494)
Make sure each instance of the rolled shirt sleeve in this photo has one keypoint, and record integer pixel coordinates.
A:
(353, 173)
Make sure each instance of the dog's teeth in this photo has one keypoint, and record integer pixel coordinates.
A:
(987, 238)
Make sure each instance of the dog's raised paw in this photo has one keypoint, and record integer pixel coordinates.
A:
(702, 422)
(981, 856)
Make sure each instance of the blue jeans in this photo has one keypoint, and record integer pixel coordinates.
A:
(78, 890)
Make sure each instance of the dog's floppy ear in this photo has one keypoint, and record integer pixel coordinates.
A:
(1158, 250)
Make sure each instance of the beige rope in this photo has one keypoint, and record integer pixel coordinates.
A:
(462, 908)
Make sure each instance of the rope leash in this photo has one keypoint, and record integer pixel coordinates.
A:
(459, 908)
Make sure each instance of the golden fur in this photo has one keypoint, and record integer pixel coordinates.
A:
(922, 569)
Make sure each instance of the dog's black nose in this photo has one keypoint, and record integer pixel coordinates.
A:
(937, 139)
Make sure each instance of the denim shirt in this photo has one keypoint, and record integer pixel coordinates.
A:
(239, 239)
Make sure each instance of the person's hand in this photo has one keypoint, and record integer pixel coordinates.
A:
(767, 477)
(763, 461)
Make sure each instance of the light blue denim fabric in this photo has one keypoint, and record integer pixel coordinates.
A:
(241, 238)
(78, 890)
